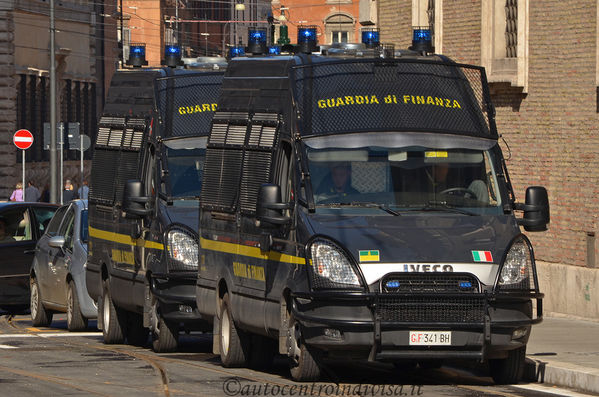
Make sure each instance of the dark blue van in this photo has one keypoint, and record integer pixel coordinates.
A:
(358, 205)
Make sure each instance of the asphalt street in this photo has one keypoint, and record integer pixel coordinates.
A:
(55, 362)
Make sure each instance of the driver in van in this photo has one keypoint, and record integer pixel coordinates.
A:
(338, 182)
(440, 183)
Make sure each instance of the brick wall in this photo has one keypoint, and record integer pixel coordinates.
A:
(9, 171)
(553, 129)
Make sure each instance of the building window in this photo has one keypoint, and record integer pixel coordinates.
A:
(339, 36)
(430, 13)
(504, 41)
(511, 28)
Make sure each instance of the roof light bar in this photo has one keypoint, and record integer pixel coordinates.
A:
(137, 55)
(172, 55)
(422, 40)
(274, 50)
(306, 38)
(257, 40)
(371, 37)
(237, 51)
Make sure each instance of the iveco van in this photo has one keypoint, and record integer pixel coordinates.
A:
(146, 181)
(358, 205)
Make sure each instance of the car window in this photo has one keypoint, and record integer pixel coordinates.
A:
(43, 216)
(84, 233)
(66, 228)
(52, 227)
(15, 225)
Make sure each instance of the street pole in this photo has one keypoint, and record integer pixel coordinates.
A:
(61, 161)
(23, 174)
(81, 149)
(53, 186)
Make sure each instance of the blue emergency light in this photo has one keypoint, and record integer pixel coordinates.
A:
(306, 38)
(422, 40)
(274, 50)
(371, 37)
(137, 55)
(465, 284)
(392, 284)
(257, 40)
(237, 51)
(172, 55)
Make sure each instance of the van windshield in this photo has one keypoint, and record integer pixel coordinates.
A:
(185, 165)
(403, 174)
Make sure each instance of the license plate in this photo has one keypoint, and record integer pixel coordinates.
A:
(430, 338)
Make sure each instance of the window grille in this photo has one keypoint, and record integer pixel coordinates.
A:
(511, 28)
(430, 12)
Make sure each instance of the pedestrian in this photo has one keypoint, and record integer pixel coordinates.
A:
(17, 194)
(68, 193)
(83, 191)
(45, 194)
(32, 194)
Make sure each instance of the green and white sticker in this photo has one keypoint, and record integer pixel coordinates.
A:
(369, 256)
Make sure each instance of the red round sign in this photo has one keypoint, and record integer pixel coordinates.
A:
(23, 139)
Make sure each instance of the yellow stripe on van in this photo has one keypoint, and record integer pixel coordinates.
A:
(254, 252)
(123, 239)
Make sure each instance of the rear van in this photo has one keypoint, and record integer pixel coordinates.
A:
(358, 205)
(146, 182)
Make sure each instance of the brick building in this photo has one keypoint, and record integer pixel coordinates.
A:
(85, 43)
(542, 62)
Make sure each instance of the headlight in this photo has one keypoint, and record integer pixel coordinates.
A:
(517, 268)
(330, 266)
(182, 250)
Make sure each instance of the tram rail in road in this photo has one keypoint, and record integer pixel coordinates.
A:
(58, 362)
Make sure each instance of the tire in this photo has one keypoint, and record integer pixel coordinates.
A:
(234, 345)
(303, 364)
(166, 337)
(137, 334)
(75, 320)
(40, 317)
(113, 319)
(508, 370)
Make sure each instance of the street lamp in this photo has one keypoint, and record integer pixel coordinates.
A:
(206, 37)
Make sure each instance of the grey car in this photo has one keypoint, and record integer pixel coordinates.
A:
(58, 270)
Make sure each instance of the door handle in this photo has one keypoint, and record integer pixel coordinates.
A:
(28, 252)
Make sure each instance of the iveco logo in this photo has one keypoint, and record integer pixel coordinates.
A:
(427, 268)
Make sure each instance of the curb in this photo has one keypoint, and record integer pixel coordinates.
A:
(562, 374)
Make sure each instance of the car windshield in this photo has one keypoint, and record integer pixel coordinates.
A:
(185, 165)
(403, 174)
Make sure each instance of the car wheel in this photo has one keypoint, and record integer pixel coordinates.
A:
(113, 318)
(40, 317)
(234, 345)
(303, 365)
(165, 337)
(75, 320)
(508, 370)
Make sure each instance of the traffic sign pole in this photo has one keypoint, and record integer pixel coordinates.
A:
(23, 151)
(23, 139)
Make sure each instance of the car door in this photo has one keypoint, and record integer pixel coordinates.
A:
(17, 246)
(62, 260)
(45, 254)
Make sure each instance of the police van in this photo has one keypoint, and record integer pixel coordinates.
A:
(356, 203)
(146, 181)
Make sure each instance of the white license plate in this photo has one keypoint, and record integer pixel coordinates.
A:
(430, 338)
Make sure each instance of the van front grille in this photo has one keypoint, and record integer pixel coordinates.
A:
(426, 309)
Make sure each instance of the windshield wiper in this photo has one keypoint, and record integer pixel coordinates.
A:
(382, 207)
(444, 207)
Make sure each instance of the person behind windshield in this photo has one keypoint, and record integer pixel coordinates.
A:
(4, 235)
(338, 182)
(440, 183)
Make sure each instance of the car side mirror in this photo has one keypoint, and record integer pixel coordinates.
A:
(270, 209)
(56, 242)
(134, 203)
(536, 209)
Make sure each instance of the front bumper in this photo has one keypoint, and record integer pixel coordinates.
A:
(377, 325)
(176, 296)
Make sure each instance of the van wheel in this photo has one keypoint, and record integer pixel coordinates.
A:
(75, 320)
(234, 345)
(164, 335)
(137, 334)
(508, 370)
(40, 317)
(303, 365)
(113, 318)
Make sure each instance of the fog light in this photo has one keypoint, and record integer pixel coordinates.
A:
(519, 333)
(185, 309)
(332, 333)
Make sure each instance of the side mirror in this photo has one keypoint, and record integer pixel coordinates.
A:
(133, 200)
(270, 208)
(536, 209)
(56, 242)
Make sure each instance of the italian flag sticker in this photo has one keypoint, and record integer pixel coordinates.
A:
(482, 256)
(369, 256)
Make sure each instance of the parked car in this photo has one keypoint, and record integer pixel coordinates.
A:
(58, 270)
(21, 225)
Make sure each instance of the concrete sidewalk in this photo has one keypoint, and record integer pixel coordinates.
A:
(564, 352)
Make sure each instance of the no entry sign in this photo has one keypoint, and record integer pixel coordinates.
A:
(23, 139)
